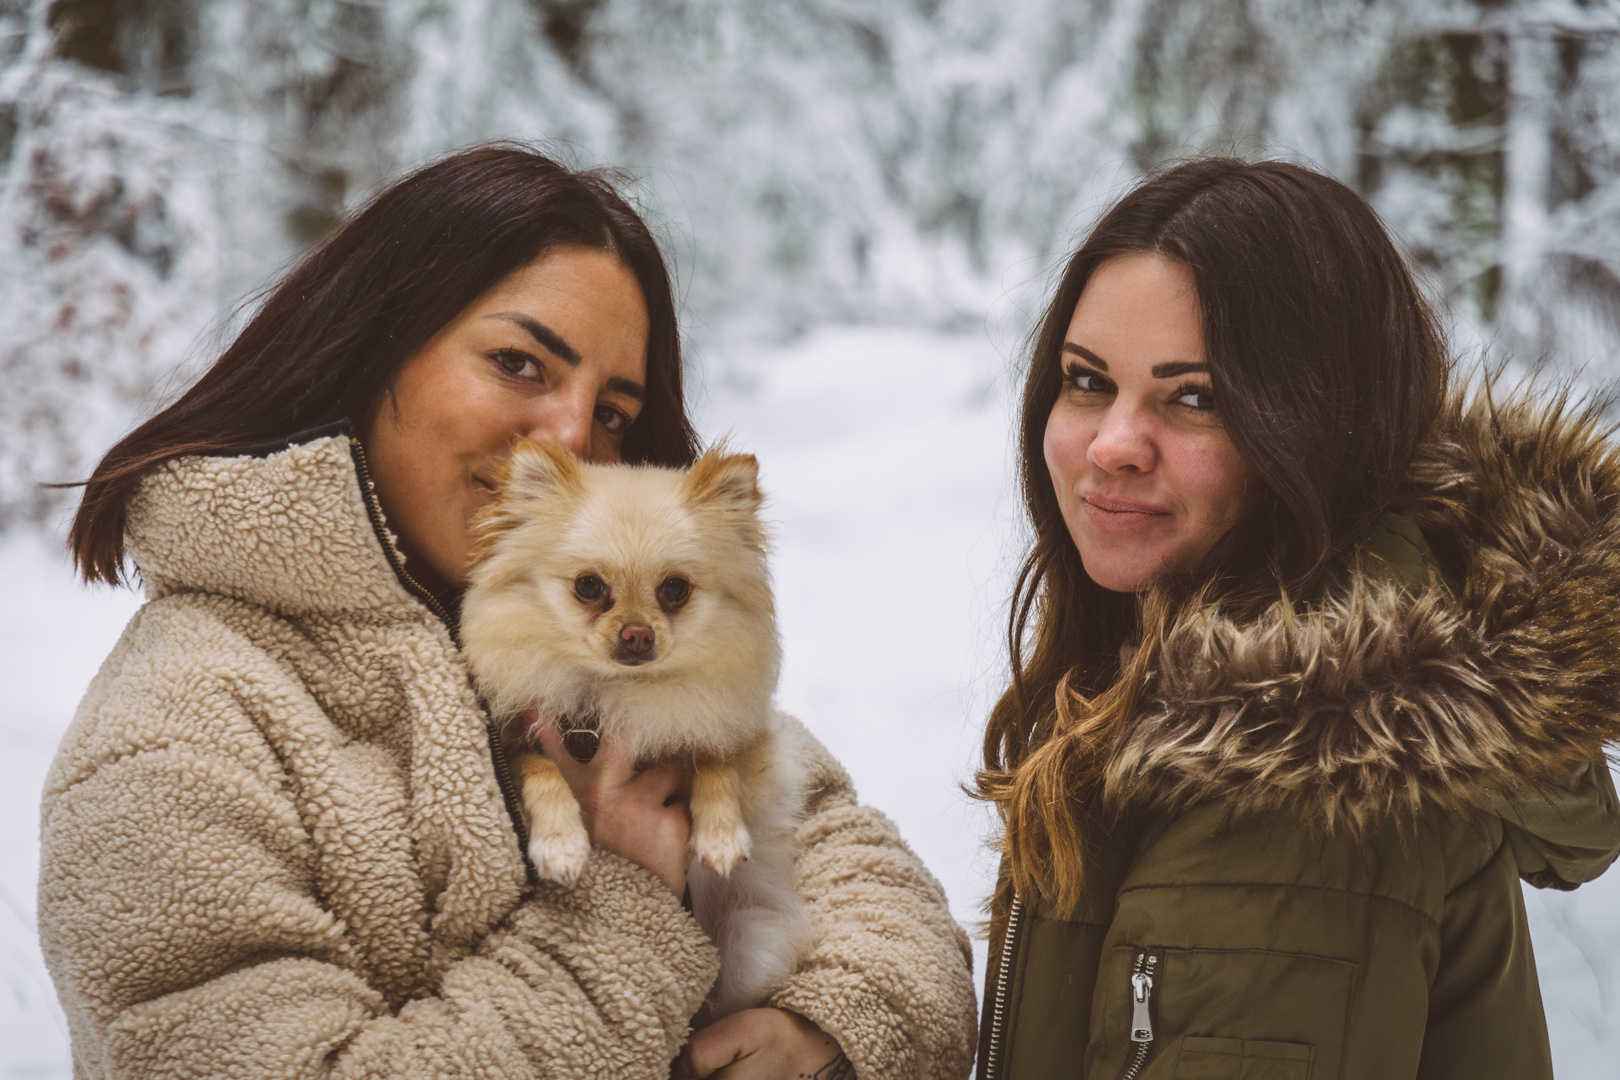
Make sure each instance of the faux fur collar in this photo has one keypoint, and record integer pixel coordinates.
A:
(1386, 696)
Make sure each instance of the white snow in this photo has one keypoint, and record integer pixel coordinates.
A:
(888, 458)
(53, 635)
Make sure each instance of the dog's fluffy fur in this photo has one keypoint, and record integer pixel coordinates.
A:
(536, 639)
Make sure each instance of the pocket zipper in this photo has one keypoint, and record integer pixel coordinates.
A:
(1142, 970)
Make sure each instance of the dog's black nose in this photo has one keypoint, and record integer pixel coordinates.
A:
(636, 637)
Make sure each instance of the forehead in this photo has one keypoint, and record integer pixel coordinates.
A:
(588, 297)
(1139, 309)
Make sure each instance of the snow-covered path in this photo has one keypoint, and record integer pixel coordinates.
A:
(887, 456)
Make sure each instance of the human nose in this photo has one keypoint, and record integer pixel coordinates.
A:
(565, 418)
(1124, 441)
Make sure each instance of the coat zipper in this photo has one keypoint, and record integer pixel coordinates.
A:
(998, 1008)
(1142, 970)
(509, 788)
(497, 752)
(374, 511)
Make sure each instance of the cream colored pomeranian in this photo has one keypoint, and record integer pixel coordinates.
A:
(633, 604)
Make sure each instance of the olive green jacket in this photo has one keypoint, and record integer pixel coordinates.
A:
(1317, 821)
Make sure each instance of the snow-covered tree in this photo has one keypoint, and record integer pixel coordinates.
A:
(910, 161)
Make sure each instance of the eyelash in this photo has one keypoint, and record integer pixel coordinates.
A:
(501, 356)
(1196, 388)
(1073, 373)
(618, 414)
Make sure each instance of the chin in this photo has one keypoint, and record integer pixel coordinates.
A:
(1122, 571)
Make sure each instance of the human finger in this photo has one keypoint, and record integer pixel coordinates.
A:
(706, 1054)
(765, 1044)
(742, 1046)
(665, 782)
(608, 769)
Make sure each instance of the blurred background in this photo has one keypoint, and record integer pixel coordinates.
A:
(863, 200)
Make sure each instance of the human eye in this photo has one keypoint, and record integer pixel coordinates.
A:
(1199, 398)
(518, 363)
(1086, 380)
(611, 419)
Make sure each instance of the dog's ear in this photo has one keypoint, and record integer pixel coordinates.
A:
(728, 484)
(539, 470)
(726, 481)
(534, 471)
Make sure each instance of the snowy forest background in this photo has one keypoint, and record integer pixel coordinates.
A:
(864, 200)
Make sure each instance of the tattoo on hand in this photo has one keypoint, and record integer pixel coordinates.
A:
(838, 1068)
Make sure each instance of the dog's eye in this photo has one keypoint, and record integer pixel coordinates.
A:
(589, 587)
(673, 591)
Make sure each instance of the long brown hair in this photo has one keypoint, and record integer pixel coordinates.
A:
(1328, 369)
(331, 335)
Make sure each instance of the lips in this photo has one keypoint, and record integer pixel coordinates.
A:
(1113, 505)
(1115, 515)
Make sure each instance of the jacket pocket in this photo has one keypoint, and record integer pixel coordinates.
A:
(1234, 1014)
(1201, 1058)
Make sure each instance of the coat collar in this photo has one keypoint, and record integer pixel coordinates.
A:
(1399, 687)
(287, 526)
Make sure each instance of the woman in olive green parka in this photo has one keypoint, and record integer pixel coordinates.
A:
(1314, 660)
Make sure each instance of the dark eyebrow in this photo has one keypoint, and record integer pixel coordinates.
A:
(1170, 371)
(542, 333)
(627, 387)
(1085, 354)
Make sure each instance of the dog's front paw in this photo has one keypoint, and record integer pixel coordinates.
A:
(559, 855)
(721, 849)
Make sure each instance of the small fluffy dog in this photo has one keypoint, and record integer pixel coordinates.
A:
(632, 603)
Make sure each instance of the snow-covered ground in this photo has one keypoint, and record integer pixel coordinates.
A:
(887, 455)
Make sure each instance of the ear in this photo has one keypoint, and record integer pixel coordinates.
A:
(726, 481)
(535, 471)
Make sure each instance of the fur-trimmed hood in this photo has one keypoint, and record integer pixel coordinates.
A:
(1392, 692)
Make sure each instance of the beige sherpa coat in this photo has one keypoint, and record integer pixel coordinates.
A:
(275, 844)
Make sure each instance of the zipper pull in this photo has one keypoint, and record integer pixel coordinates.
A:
(1142, 998)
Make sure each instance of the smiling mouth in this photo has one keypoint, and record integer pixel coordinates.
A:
(1115, 506)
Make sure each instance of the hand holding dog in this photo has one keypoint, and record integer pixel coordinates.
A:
(641, 815)
(762, 1044)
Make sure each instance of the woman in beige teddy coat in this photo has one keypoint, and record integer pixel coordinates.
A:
(280, 838)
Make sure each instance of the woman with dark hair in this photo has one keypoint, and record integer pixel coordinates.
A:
(1313, 659)
(280, 837)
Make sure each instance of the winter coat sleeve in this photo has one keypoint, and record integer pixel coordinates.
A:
(1485, 1016)
(184, 915)
(890, 977)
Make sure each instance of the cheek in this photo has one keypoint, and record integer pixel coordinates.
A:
(451, 405)
(1064, 446)
(1213, 481)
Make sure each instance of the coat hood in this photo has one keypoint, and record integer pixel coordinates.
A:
(286, 526)
(1398, 688)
